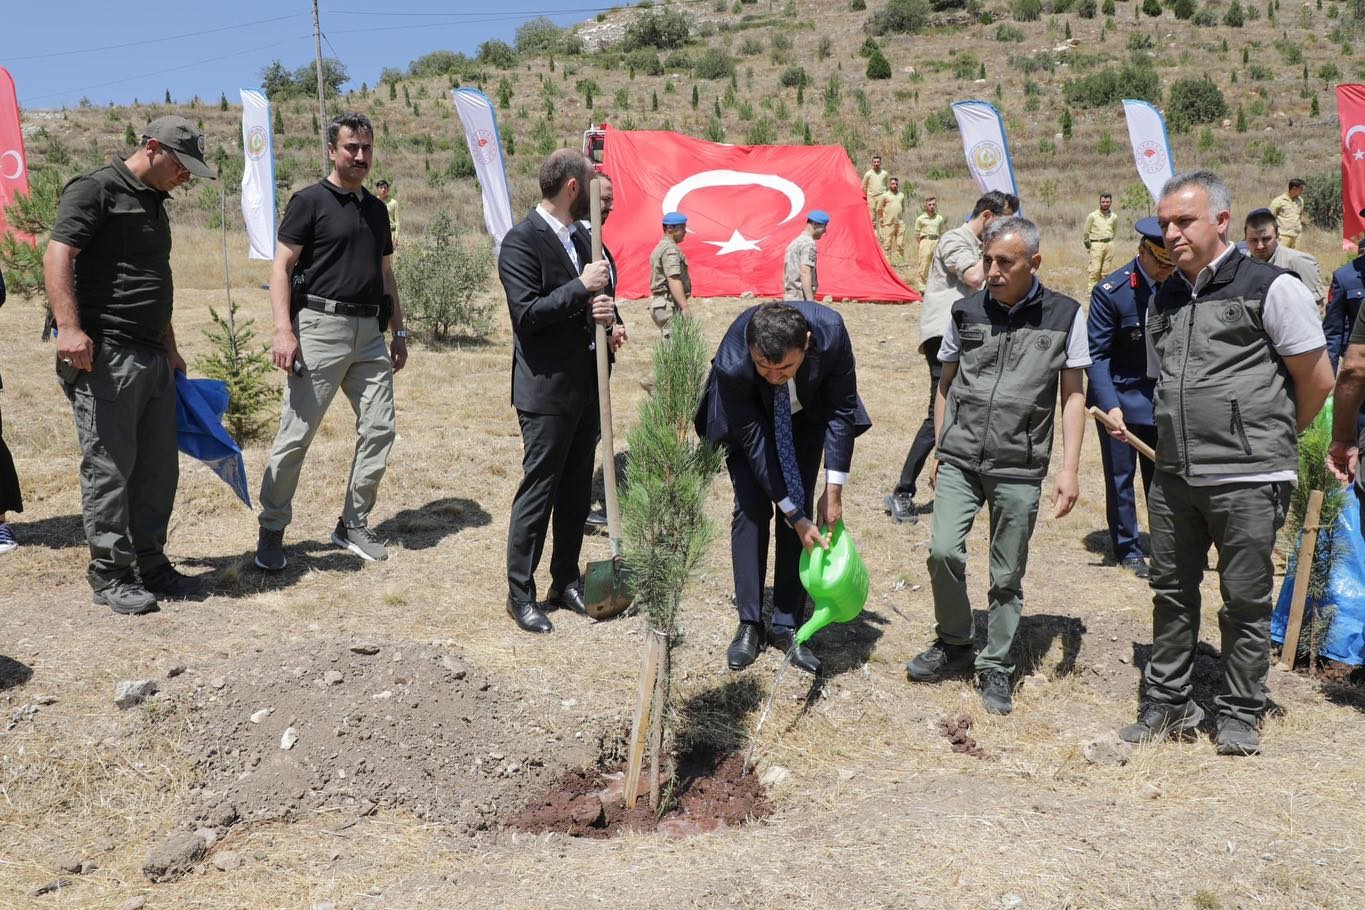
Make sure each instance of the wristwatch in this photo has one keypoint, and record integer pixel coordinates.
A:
(401, 333)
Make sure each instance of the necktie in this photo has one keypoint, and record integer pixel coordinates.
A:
(786, 449)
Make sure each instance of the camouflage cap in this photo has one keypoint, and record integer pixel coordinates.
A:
(182, 138)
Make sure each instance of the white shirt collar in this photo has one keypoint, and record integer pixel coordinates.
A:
(1207, 272)
(562, 230)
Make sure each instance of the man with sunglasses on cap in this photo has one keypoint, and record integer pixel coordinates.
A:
(108, 275)
(1120, 386)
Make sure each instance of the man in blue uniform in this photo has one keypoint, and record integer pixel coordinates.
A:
(1343, 304)
(1119, 384)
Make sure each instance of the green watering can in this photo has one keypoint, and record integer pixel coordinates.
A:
(836, 580)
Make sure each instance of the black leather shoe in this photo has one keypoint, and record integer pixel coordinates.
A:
(571, 598)
(529, 616)
(803, 659)
(744, 647)
(1137, 565)
(595, 522)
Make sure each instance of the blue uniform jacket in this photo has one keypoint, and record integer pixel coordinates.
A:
(736, 410)
(1117, 326)
(1343, 305)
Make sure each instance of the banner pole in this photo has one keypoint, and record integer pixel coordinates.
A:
(227, 280)
(322, 105)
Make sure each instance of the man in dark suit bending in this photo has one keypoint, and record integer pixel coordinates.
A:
(554, 295)
(782, 392)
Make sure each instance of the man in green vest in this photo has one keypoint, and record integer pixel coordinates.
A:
(1007, 350)
(1238, 352)
(1098, 237)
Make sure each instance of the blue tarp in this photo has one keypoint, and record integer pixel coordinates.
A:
(199, 408)
(1345, 594)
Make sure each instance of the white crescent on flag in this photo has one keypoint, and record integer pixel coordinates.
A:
(674, 197)
(1358, 155)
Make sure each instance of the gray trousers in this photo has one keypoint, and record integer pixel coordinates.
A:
(125, 424)
(1240, 520)
(337, 352)
(1013, 506)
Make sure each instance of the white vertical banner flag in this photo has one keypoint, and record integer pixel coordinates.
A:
(983, 141)
(258, 175)
(1151, 145)
(481, 132)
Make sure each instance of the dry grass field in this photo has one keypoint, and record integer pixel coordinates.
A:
(877, 811)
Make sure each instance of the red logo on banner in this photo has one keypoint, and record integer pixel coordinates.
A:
(13, 165)
(1351, 115)
(744, 205)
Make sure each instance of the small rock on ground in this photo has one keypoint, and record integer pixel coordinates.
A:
(289, 738)
(132, 692)
(332, 677)
(68, 862)
(365, 647)
(174, 856)
(1108, 751)
(775, 776)
(227, 861)
(134, 903)
(1150, 791)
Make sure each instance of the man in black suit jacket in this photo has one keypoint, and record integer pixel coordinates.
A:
(800, 352)
(554, 297)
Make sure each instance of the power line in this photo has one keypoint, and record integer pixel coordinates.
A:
(555, 11)
(112, 47)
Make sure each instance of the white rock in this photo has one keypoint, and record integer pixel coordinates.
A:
(847, 774)
(332, 677)
(1150, 791)
(133, 692)
(380, 696)
(1108, 750)
(290, 737)
(1011, 902)
(775, 776)
(207, 835)
(227, 861)
(568, 703)
(134, 903)
(261, 715)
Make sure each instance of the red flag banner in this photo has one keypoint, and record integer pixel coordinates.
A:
(744, 204)
(1351, 116)
(13, 165)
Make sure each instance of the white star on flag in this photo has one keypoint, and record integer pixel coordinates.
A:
(736, 244)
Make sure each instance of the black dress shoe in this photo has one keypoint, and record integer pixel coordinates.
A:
(1137, 565)
(529, 616)
(571, 598)
(595, 522)
(744, 647)
(803, 659)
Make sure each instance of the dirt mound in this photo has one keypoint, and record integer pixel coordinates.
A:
(711, 792)
(352, 726)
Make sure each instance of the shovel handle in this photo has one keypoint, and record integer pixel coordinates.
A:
(1142, 448)
(604, 385)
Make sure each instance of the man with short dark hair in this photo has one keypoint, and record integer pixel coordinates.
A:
(891, 217)
(333, 296)
(107, 271)
(782, 391)
(1098, 237)
(1237, 350)
(929, 227)
(955, 272)
(1288, 211)
(874, 186)
(554, 296)
(1006, 352)
(381, 189)
(1261, 234)
(800, 278)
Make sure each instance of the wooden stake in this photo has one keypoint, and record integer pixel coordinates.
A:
(1307, 545)
(656, 726)
(1143, 449)
(639, 728)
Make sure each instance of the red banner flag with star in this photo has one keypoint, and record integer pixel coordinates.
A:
(744, 204)
(1351, 116)
(13, 166)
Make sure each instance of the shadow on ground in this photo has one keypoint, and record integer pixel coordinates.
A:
(1206, 679)
(55, 533)
(424, 527)
(238, 576)
(13, 673)
(720, 717)
(1098, 542)
(846, 646)
(1034, 640)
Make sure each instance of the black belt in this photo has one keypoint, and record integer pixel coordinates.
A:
(342, 308)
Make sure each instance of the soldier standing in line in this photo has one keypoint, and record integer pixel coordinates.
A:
(929, 227)
(668, 279)
(874, 186)
(799, 278)
(891, 216)
(381, 189)
(1098, 237)
(1288, 211)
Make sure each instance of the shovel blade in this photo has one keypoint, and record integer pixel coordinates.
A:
(606, 591)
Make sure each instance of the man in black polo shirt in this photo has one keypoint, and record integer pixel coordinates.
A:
(334, 244)
(108, 276)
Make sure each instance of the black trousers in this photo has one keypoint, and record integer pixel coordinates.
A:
(924, 439)
(11, 500)
(750, 530)
(556, 484)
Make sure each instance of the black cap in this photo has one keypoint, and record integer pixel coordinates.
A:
(182, 138)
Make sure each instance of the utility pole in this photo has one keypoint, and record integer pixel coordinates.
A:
(322, 104)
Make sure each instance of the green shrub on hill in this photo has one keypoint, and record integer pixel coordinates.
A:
(442, 281)
(714, 63)
(1234, 17)
(1194, 101)
(665, 29)
(795, 77)
(645, 60)
(1152, 8)
(1026, 10)
(878, 67)
(497, 53)
(1111, 86)
(900, 17)
(1322, 199)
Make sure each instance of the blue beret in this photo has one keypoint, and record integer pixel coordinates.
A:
(1150, 229)
(818, 216)
(673, 219)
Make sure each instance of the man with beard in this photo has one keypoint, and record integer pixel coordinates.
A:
(333, 295)
(554, 295)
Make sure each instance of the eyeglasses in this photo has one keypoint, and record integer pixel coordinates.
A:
(176, 159)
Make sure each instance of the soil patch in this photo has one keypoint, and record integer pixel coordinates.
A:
(958, 733)
(355, 726)
(709, 792)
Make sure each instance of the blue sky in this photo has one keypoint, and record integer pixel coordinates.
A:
(59, 52)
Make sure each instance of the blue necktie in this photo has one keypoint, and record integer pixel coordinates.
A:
(786, 449)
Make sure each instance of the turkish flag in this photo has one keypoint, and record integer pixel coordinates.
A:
(1351, 116)
(744, 204)
(13, 167)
